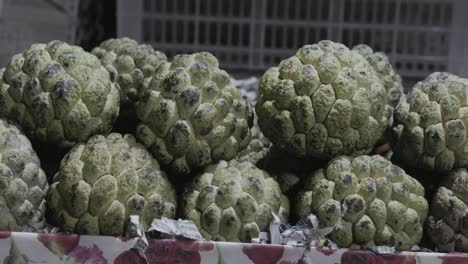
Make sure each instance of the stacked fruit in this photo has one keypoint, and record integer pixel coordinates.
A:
(319, 117)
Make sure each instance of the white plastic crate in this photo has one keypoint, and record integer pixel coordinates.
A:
(420, 36)
(24, 22)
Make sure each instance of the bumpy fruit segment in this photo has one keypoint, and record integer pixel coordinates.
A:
(233, 201)
(447, 225)
(58, 93)
(323, 102)
(130, 64)
(190, 116)
(431, 125)
(23, 184)
(368, 200)
(102, 182)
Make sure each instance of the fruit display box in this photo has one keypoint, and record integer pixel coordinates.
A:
(420, 36)
(58, 248)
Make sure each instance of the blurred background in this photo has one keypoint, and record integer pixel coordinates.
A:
(248, 36)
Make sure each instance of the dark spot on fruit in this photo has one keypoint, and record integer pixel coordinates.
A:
(30, 85)
(163, 109)
(394, 169)
(365, 224)
(17, 83)
(201, 64)
(137, 204)
(355, 205)
(348, 179)
(435, 137)
(63, 88)
(370, 185)
(238, 107)
(254, 183)
(198, 114)
(331, 209)
(358, 205)
(145, 97)
(126, 156)
(172, 79)
(230, 220)
(223, 103)
(209, 189)
(157, 205)
(52, 69)
(191, 96)
(181, 127)
(363, 167)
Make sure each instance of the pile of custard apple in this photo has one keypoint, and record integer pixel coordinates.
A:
(312, 138)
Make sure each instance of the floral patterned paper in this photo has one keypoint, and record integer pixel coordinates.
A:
(73, 249)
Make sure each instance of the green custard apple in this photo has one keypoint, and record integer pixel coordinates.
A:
(447, 224)
(23, 184)
(368, 200)
(324, 101)
(58, 93)
(102, 182)
(130, 64)
(190, 116)
(431, 124)
(233, 201)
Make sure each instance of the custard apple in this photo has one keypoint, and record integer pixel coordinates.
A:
(233, 201)
(102, 182)
(58, 93)
(431, 125)
(190, 116)
(447, 224)
(322, 102)
(371, 201)
(130, 64)
(381, 64)
(23, 184)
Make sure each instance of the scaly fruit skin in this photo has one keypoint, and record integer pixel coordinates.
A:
(381, 64)
(130, 64)
(190, 117)
(58, 93)
(104, 181)
(23, 184)
(258, 147)
(233, 201)
(324, 101)
(385, 206)
(431, 125)
(447, 224)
